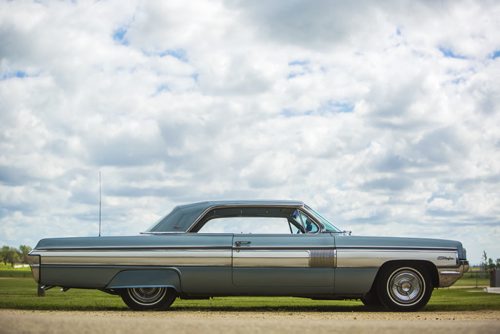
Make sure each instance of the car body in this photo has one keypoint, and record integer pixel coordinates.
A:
(250, 248)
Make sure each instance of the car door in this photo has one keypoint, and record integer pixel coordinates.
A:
(275, 250)
(272, 262)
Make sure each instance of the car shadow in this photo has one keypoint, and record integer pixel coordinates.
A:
(272, 309)
(226, 309)
(249, 309)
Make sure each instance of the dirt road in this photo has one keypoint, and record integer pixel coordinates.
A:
(16, 321)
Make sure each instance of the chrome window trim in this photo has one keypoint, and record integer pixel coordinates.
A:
(313, 217)
(310, 216)
(301, 206)
(224, 206)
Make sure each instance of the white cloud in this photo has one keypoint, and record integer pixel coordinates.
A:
(383, 116)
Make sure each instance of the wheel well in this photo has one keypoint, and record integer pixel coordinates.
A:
(429, 266)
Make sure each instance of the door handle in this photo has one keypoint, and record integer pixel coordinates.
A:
(242, 243)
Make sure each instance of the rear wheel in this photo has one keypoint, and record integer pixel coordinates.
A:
(404, 288)
(143, 299)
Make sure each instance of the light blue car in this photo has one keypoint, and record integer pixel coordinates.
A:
(250, 248)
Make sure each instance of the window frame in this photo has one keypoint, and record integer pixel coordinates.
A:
(242, 211)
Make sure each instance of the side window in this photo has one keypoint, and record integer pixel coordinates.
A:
(307, 223)
(255, 225)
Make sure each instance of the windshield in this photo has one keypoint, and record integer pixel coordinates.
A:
(329, 227)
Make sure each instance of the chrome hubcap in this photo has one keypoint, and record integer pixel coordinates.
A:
(147, 296)
(406, 286)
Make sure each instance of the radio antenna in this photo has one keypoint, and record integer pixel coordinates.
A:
(100, 203)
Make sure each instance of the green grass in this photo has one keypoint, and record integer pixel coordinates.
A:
(474, 278)
(463, 300)
(472, 281)
(9, 271)
(20, 293)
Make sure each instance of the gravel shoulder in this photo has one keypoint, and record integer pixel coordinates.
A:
(18, 321)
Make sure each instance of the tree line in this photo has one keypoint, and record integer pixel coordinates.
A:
(487, 263)
(12, 255)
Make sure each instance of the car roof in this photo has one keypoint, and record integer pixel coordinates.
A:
(209, 204)
(182, 217)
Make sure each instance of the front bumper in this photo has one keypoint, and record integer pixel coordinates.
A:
(449, 275)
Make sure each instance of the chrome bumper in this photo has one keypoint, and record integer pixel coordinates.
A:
(449, 275)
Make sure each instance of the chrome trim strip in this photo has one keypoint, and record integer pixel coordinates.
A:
(149, 248)
(351, 258)
(321, 256)
(292, 258)
(397, 247)
(183, 248)
(141, 286)
(265, 258)
(166, 232)
(131, 258)
(263, 248)
(449, 272)
(279, 257)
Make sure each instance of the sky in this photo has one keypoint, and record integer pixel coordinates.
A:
(382, 115)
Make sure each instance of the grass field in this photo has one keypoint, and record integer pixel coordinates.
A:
(8, 271)
(19, 292)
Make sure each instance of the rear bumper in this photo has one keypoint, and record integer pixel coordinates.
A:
(448, 276)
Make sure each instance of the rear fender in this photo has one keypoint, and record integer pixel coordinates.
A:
(148, 278)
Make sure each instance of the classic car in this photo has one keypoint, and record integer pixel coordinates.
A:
(250, 248)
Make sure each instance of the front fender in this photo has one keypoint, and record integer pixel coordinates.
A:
(148, 278)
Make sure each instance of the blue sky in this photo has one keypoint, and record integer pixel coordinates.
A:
(384, 117)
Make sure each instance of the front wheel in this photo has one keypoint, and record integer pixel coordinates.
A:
(404, 288)
(142, 299)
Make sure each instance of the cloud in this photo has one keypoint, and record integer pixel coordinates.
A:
(384, 117)
(393, 184)
(321, 25)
